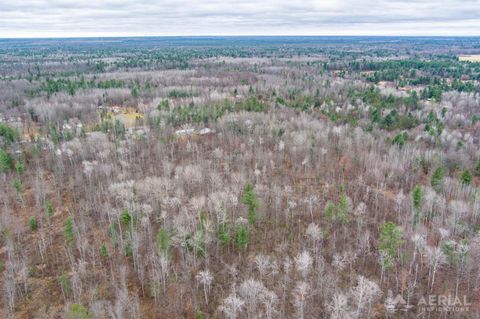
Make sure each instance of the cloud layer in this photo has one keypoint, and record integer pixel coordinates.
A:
(46, 18)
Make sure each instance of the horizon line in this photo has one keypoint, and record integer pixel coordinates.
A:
(235, 35)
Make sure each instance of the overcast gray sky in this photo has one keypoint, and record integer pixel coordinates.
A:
(47, 18)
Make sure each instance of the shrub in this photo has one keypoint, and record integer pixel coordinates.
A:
(417, 197)
(68, 231)
(32, 223)
(466, 177)
(196, 242)
(174, 94)
(103, 251)
(390, 240)
(77, 311)
(48, 209)
(64, 282)
(242, 237)
(17, 184)
(400, 139)
(223, 234)
(250, 199)
(252, 104)
(163, 241)
(417, 203)
(126, 218)
(20, 167)
(437, 177)
(475, 119)
(128, 250)
(6, 161)
(330, 211)
(8, 134)
(343, 208)
(199, 315)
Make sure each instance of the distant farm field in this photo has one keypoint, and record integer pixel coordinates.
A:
(128, 119)
(470, 58)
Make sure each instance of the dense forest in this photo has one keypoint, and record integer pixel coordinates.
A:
(240, 177)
